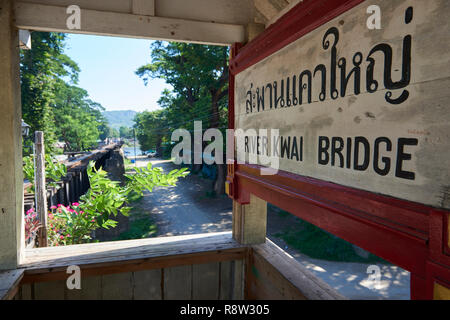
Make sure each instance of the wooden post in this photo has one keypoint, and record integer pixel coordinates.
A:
(39, 180)
(11, 176)
(253, 30)
(250, 221)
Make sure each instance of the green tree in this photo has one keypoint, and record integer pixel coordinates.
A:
(198, 75)
(77, 118)
(115, 133)
(105, 130)
(42, 69)
(151, 129)
(125, 132)
(51, 101)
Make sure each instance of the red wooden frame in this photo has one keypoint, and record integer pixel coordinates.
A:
(410, 235)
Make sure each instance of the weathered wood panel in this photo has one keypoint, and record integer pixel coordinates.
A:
(226, 283)
(178, 283)
(53, 290)
(250, 221)
(205, 280)
(203, 266)
(11, 175)
(273, 274)
(147, 285)
(25, 292)
(91, 289)
(238, 279)
(9, 283)
(117, 286)
(367, 108)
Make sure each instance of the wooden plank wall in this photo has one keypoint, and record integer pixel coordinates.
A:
(209, 281)
(271, 274)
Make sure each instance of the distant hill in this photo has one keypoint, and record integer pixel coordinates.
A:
(120, 118)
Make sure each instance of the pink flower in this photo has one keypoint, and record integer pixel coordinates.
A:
(93, 220)
(59, 205)
(61, 237)
(81, 212)
(75, 204)
(71, 210)
(53, 207)
(30, 211)
(50, 216)
(68, 235)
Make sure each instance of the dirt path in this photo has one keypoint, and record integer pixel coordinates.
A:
(185, 209)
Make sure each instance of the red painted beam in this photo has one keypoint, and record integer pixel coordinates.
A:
(317, 202)
(300, 20)
(410, 235)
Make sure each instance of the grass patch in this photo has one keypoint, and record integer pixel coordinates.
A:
(319, 244)
(141, 225)
(139, 229)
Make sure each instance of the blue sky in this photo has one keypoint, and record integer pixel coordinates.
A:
(107, 71)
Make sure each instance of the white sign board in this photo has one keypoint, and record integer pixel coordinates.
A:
(364, 108)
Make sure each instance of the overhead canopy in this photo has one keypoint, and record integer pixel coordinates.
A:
(220, 22)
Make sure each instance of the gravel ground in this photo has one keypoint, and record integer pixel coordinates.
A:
(185, 209)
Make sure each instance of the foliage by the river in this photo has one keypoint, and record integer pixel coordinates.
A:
(198, 75)
(54, 170)
(51, 101)
(105, 199)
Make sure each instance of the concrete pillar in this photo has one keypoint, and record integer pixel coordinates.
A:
(11, 177)
(250, 221)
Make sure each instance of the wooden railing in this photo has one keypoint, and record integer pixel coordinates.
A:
(203, 266)
(75, 183)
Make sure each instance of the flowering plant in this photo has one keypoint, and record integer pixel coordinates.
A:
(74, 224)
(70, 225)
(32, 225)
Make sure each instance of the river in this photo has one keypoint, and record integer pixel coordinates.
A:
(129, 151)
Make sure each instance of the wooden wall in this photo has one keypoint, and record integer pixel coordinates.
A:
(210, 281)
(272, 274)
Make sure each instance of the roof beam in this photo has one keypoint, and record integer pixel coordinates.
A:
(53, 18)
(219, 11)
(143, 7)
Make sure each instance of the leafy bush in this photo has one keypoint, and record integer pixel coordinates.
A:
(74, 224)
(54, 170)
